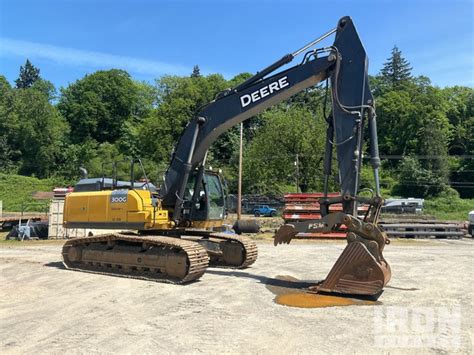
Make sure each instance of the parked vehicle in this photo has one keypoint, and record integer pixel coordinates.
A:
(264, 210)
(403, 205)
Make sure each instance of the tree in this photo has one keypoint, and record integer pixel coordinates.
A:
(29, 74)
(396, 69)
(397, 123)
(463, 175)
(31, 129)
(460, 113)
(252, 124)
(269, 160)
(40, 132)
(98, 105)
(434, 131)
(196, 72)
(412, 121)
(145, 104)
(146, 97)
(178, 100)
(6, 162)
(8, 126)
(415, 181)
(460, 110)
(47, 88)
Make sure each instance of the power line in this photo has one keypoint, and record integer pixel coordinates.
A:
(421, 183)
(398, 157)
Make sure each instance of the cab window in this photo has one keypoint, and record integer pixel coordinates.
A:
(215, 195)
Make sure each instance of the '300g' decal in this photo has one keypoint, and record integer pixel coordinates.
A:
(118, 199)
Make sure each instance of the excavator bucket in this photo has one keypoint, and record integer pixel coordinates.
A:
(356, 272)
(361, 268)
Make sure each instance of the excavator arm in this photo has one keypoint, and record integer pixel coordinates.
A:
(361, 269)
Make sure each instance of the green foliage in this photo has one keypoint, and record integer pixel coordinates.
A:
(7, 126)
(40, 129)
(32, 130)
(97, 106)
(6, 163)
(415, 181)
(449, 208)
(397, 125)
(47, 88)
(463, 178)
(225, 149)
(412, 121)
(435, 132)
(29, 74)
(16, 192)
(179, 99)
(269, 160)
(72, 157)
(460, 112)
(107, 116)
(105, 154)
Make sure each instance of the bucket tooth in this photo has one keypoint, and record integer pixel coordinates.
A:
(356, 272)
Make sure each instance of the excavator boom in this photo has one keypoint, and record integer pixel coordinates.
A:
(361, 269)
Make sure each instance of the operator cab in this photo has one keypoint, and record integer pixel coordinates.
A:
(208, 203)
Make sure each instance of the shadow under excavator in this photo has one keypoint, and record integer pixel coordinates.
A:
(285, 282)
(282, 284)
(55, 264)
(402, 288)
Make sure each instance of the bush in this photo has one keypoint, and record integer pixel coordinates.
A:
(415, 181)
(16, 192)
(449, 207)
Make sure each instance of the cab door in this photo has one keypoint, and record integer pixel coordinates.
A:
(215, 196)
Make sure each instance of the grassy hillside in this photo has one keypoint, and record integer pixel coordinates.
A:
(16, 192)
(449, 208)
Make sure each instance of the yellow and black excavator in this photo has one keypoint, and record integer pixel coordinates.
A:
(176, 225)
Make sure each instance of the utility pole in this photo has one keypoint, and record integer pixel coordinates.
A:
(239, 192)
(297, 165)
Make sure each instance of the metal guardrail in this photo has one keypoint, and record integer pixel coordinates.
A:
(424, 229)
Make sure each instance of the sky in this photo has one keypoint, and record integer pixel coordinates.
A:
(68, 39)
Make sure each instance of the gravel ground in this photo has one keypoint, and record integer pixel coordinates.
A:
(427, 308)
